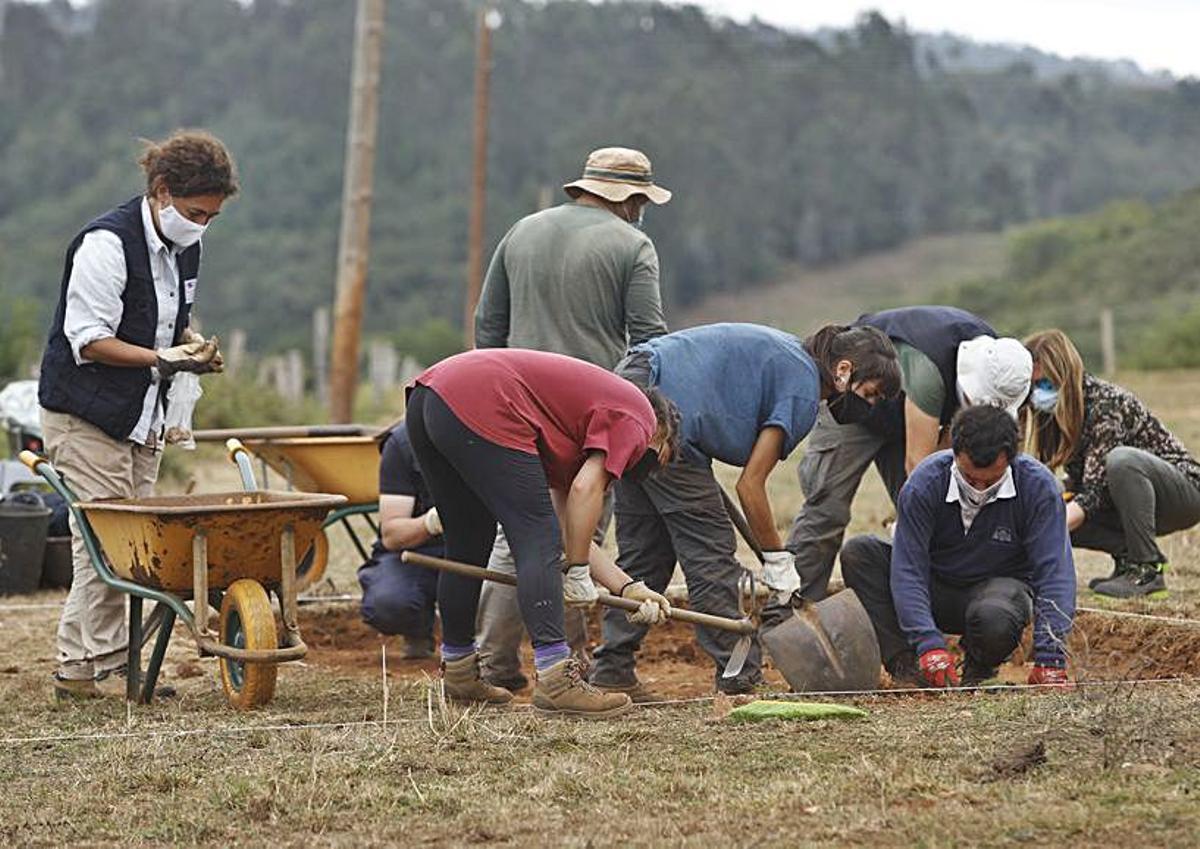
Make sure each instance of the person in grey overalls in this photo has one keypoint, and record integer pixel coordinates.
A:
(942, 351)
(746, 396)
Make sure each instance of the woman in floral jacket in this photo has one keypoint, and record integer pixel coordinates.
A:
(1129, 479)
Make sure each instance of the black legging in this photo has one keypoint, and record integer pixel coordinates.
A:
(474, 483)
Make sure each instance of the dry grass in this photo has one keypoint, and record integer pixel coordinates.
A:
(1121, 764)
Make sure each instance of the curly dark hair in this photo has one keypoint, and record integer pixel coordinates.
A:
(667, 416)
(983, 433)
(189, 163)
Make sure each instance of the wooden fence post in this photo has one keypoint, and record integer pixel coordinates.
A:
(1108, 345)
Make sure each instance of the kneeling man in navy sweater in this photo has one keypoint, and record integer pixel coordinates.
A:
(980, 548)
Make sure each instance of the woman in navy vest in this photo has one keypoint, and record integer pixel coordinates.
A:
(120, 331)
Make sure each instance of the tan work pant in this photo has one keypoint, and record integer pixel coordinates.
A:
(92, 634)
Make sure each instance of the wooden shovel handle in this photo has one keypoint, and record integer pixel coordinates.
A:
(737, 626)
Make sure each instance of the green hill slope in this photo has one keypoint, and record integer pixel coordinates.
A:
(1142, 261)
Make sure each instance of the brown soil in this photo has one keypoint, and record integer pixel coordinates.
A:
(671, 664)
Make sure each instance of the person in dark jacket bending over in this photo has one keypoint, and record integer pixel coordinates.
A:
(980, 548)
(399, 598)
(948, 358)
(120, 331)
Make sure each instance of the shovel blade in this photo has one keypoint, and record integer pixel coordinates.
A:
(737, 657)
(827, 645)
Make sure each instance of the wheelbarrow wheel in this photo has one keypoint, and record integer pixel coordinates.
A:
(311, 568)
(248, 622)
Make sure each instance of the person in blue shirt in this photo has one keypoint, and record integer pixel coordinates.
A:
(980, 548)
(399, 598)
(747, 395)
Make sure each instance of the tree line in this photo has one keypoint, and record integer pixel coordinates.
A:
(781, 149)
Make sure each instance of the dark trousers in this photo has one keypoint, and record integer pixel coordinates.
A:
(675, 515)
(1149, 497)
(653, 533)
(398, 598)
(476, 483)
(990, 615)
(835, 459)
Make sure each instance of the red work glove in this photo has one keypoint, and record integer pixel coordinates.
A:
(1049, 675)
(937, 668)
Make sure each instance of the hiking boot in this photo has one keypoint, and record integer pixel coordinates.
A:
(638, 692)
(1120, 567)
(512, 683)
(975, 674)
(1140, 580)
(418, 648)
(903, 670)
(75, 689)
(562, 689)
(463, 684)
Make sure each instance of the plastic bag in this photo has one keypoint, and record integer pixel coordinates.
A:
(185, 391)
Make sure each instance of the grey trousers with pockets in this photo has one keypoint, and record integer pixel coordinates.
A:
(835, 459)
(1150, 497)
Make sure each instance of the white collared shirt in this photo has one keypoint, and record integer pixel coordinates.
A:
(1008, 489)
(94, 306)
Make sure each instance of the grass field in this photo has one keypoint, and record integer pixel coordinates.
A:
(345, 756)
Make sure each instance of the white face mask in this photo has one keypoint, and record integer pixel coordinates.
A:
(182, 231)
(977, 497)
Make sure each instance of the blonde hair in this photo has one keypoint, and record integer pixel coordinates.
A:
(1054, 437)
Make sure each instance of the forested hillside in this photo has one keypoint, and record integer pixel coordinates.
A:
(1141, 261)
(780, 150)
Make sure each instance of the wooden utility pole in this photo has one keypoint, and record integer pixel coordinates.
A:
(487, 20)
(354, 241)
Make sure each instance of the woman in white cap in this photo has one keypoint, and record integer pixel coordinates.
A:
(1129, 478)
(949, 358)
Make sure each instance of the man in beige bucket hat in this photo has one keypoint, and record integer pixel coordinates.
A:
(579, 279)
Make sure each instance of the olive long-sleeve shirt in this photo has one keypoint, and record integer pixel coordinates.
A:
(574, 280)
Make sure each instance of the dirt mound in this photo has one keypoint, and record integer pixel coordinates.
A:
(1103, 647)
(1113, 647)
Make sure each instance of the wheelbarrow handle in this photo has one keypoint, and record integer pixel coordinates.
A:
(31, 460)
(737, 626)
(240, 455)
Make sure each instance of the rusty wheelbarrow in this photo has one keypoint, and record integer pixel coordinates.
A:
(227, 550)
(339, 459)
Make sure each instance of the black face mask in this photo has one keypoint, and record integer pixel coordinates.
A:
(640, 470)
(849, 407)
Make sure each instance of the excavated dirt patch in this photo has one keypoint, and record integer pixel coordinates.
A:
(1103, 647)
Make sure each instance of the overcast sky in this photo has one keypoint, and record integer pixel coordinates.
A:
(1157, 34)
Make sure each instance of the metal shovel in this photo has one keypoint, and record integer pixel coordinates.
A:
(824, 645)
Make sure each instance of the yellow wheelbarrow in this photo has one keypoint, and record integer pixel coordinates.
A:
(227, 550)
(341, 459)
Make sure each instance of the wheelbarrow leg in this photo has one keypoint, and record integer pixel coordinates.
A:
(133, 664)
(160, 652)
(354, 538)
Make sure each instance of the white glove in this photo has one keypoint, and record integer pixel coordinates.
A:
(578, 589)
(433, 522)
(654, 606)
(779, 573)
